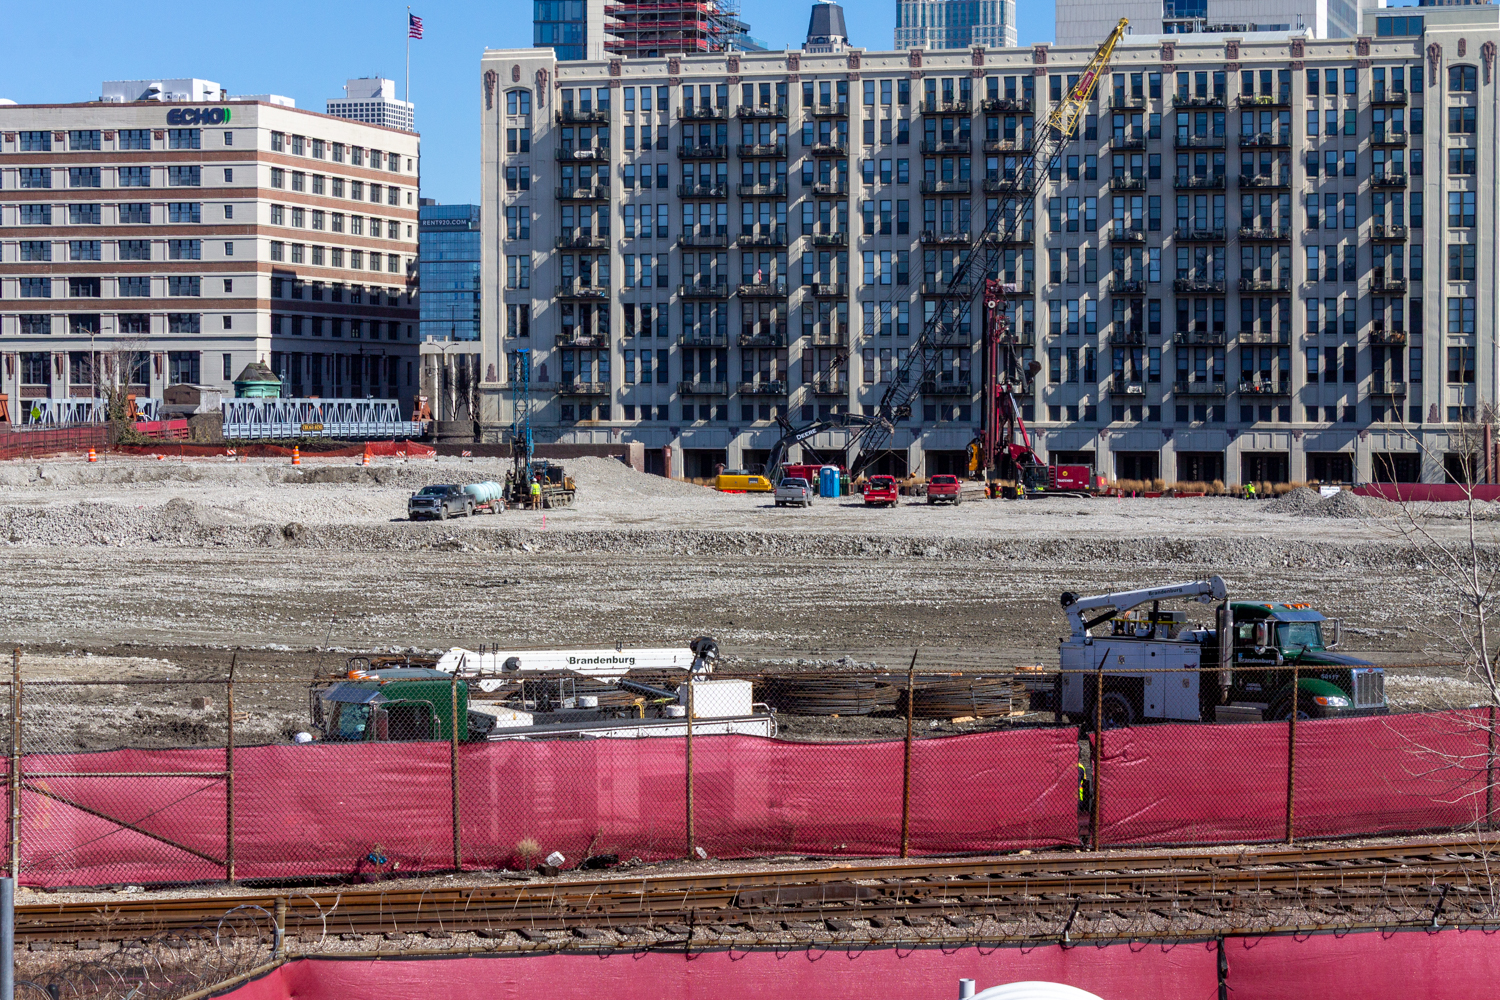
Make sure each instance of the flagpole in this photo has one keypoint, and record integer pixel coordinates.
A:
(408, 55)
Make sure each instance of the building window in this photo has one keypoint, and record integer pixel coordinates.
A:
(84, 177)
(184, 250)
(184, 138)
(184, 211)
(184, 284)
(183, 366)
(85, 139)
(185, 176)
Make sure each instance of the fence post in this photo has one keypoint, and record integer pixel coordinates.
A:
(458, 861)
(689, 762)
(1489, 774)
(13, 786)
(1291, 756)
(1098, 752)
(911, 676)
(229, 774)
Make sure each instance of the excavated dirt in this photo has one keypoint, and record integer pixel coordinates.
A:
(181, 562)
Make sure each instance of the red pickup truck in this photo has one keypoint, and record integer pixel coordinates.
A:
(945, 489)
(881, 491)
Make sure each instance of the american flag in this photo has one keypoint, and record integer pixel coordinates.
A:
(413, 26)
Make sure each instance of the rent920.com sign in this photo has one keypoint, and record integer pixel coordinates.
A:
(198, 116)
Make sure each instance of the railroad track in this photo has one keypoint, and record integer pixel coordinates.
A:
(1451, 873)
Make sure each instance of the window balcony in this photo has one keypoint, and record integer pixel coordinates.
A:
(1126, 102)
(772, 387)
(693, 338)
(763, 236)
(1127, 286)
(1006, 105)
(1380, 334)
(932, 237)
(697, 388)
(1023, 235)
(1193, 234)
(599, 192)
(590, 293)
(830, 334)
(686, 152)
(1387, 138)
(576, 339)
(830, 385)
(777, 110)
(838, 239)
(698, 113)
(836, 291)
(832, 147)
(776, 288)
(1266, 140)
(583, 389)
(1277, 337)
(1263, 233)
(775, 189)
(704, 290)
(830, 189)
(1279, 179)
(1265, 387)
(1389, 181)
(763, 149)
(1385, 231)
(1127, 338)
(1214, 183)
(1127, 183)
(947, 187)
(703, 190)
(568, 154)
(948, 388)
(1017, 144)
(1127, 142)
(1201, 338)
(948, 107)
(1198, 142)
(574, 116)
(1278, 100)
(1383, 387)
(705, 240)
(1384, 283)
(1389, 98)
(1119, 385)
(947, 146)
(582, 239)
(1184, 101)
(1124, 234)
(940, 287)
(1194, 387)
(835, 110)
(1197, 287)
(1275, 284)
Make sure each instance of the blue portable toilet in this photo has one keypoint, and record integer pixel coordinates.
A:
(828, 481)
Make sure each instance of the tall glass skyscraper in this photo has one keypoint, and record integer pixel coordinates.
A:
(448, 246)
(955, 24)
(574, 29)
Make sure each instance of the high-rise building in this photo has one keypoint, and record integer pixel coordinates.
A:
(448, 248)
(653, 28)
(1082, 22)
(955, 24)
(1244, 266)
(161, 240)
(372, 100)
(825, 28)
(574, 29)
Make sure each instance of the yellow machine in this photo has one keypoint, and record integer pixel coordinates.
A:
(742, 482)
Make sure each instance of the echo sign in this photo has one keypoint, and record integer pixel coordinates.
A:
(198, 116)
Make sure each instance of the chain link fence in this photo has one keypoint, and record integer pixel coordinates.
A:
(350, 777)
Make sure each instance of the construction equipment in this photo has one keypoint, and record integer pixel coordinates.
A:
(867, 433)
(1151, 665)
(558, 488)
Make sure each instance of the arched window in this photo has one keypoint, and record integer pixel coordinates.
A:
(518, 102)
(1463, 79)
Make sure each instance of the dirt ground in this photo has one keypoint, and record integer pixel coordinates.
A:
(141, 568)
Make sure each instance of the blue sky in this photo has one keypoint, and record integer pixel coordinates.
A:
(307, 50)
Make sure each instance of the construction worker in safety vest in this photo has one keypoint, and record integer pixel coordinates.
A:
(536, 495)
(1249, 491)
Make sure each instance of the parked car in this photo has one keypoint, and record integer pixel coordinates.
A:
(945, 489)
(794, 490)
(881, 491)
(441, 502)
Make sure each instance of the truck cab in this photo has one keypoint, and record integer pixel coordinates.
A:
(1155, 665)
(398, 704)
(881, 491)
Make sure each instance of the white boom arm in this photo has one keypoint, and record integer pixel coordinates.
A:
(1076, 607)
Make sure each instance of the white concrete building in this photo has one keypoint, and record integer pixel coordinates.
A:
(1246, 266)
(1084, 22)
(372, 100)
(149, 243)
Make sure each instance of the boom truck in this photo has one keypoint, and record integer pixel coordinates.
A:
(1154, 665)
(865, 434)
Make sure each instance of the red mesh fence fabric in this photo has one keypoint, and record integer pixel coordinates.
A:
(1228, 784)
(347, 809)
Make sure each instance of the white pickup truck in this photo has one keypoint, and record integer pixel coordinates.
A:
(794, 490)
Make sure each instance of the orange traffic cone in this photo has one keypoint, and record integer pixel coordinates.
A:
(365, 459)
(296, 455)
(93, 455)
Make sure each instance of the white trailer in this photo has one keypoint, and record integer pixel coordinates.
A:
(495, 668)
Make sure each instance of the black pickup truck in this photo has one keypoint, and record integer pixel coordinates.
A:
(441, 502)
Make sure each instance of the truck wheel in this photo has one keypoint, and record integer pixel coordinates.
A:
(411, 517)
(958, 498)
(442, 513)
(1283, 711)
(931, 502)
(1117, 710)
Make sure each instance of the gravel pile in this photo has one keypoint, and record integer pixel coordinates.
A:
(1298, 501)
(607, 476)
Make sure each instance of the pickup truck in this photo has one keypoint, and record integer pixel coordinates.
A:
(794, 490)
(440, 502)
(947, 489)
(881, 491)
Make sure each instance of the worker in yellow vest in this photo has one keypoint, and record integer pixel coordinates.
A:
(536, 495)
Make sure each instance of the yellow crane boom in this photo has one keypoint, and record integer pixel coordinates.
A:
(1064, 117)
